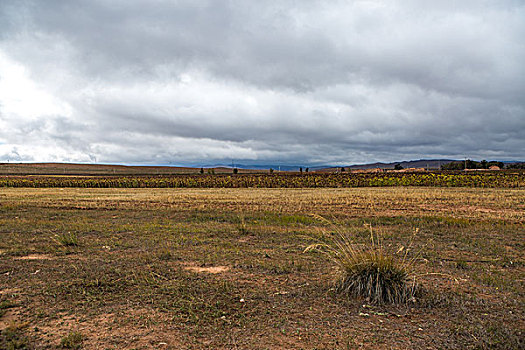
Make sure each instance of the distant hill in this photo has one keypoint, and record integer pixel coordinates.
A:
(101, 169)
(421, 163)
(114, 169)
(258, 166)
(431, 164)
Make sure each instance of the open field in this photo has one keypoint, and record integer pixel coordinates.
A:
(224, 268)
(101, 169)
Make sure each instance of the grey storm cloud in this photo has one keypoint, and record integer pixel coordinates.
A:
(309, 82)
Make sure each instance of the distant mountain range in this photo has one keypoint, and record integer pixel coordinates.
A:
(116, 169)
(430, 164)
(263, 167)
(422, 163)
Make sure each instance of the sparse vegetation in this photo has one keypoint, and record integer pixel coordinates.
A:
(225, 268)
(4, 305)
(72, 341)
(471, 164)
(243, 227)
(461, 264)
(14, 336)
(518, 165)
(67, 239)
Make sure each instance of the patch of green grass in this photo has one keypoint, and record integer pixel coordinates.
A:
(461, 265)
(243, 228)
(14, 337)
(164, 254)
(72, 341)
(4, 305)
(494, 279)
(295, 219)
(495, 335)
(67, 239)
(281, 267)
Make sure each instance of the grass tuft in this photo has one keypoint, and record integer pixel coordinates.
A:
(243, 227)
(369, 271)
(72, 341)
(67, 239)
(14, 337)
(4, 305)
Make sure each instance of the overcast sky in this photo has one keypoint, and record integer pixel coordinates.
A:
(290, 82)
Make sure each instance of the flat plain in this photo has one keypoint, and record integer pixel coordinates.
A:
(225, 268)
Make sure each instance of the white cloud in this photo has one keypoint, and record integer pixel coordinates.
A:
(203, 81)
(22, 98)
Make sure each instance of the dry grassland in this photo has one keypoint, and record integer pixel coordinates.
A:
(225, 268)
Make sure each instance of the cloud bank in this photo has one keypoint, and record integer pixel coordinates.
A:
(310, 82)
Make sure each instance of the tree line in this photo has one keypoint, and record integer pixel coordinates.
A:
(472, 164)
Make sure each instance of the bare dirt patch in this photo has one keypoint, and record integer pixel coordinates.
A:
(133, 331)
(246, 239)
(50, 257)
(206, 269)
(34, 257)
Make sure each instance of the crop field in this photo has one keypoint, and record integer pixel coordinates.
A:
(508, 179)
(226, 268)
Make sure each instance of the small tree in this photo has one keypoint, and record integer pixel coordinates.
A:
(453, 166)
(306, 170)
(398, 167)
(516, 166)
(301, 170)
(271, 171)
(470, 164)
(484, 164)
(235, 170)
(343, 169)
(202, 171)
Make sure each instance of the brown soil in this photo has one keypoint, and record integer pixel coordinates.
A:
(205, 269)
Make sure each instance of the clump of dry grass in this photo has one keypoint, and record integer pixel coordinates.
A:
(370, 271)
(72, 341)
(67, 239)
